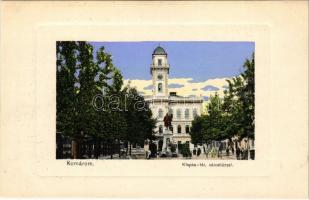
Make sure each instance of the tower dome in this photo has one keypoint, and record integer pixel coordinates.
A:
(159, 51)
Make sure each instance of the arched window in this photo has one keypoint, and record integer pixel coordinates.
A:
(160, 114)
(187, 128)
(187, 113)
(178, 113)
(194, 112)
(160, 129)
(178, 129)
(160, 87)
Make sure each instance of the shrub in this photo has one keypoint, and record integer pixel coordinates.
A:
(185, 151)
(173, 148)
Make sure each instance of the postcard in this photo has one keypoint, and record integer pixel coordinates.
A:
(154, 99)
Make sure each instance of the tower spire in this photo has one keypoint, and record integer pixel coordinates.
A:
(159, 71)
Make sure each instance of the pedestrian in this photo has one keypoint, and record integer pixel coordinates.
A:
(207, 150)
(241, 154)
(237, 152)
(149, 153)
(198, 151)
(245, 154)
(220, 150)
(194, 151)
(204, 150)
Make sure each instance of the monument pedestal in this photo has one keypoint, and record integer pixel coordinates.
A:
(167, 139)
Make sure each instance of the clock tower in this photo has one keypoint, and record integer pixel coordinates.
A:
(159, 70)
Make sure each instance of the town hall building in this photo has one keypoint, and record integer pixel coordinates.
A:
(163, 101)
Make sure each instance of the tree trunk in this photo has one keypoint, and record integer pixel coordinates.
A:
(127, 149)
(74, 149)
(112, 150)
(59, 143)
(89, 149)
(96, 148)
(119, 150)
(79, 150)
(248, 148)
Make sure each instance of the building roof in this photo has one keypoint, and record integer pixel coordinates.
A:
(159, 51)
(179, 99)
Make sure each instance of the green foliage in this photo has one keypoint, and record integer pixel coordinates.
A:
(80, 78)
(173, 148)
(139, 118)
(185, 150)
(231, 116)
(198, 125)
(65, 84)
(239, 103)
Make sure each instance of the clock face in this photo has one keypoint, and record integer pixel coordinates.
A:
(160, 76)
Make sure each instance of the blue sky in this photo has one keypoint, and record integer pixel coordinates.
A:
(197, 60)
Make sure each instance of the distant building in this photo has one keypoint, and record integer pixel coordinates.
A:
(163, 101)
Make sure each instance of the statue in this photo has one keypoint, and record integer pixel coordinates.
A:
(168, 121)
(167, 136)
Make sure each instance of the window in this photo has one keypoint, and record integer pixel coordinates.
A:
(187, 129)
(194, 112)
(160, 129)
(160, 87)
(187, 113)
(160, 114)
(178, 113)
(159, 62)
(178, 129)
(172, 129)
(170, 111)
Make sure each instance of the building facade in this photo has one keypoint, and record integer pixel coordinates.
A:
(163, 101)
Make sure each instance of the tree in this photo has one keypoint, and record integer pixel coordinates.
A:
(247, 97)
(112, 123)
(232, 116)
(80, 78)
(239, 103)
(196, 130)
(86, 117)
(209, 127)
(139, 118)
(215, 118)
(65, 85)
(66, 91)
